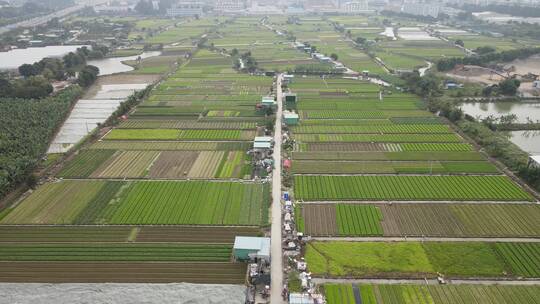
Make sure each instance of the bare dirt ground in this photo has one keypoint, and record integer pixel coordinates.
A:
(525, 66)
(121, 293)
(475, 74)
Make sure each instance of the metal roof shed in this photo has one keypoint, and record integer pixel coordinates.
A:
(248, 247)
(291, 118)
(262, 145)
(263, 139)
(302, 298)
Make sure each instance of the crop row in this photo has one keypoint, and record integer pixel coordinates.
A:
(358, 219)
(389, 156)
(393, 138)
(418, 167)
(432, 294)
(185, 124)
(459, 188)
(169, 145)
(404, 128)
(421, 219)
(115, 252)
(354, 105)
(124, 272)
(121, 234)
(343, 114)
(171, 134)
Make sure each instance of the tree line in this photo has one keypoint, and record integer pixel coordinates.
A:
(36, 78)
(483, 59)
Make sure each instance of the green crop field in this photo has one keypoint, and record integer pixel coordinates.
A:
(339, 294)
(405, 128)
(115, 252)
(432, 294)
(169, 145)
(459, 188)
(412, 259)
(428, 219)
(357, 167)
(142, 134)
(398, 138)
(358, 220)
(211, 203)
(149, 202)
(420, 147)
(169, 134)
(522, 258)
(57, 203)
(85, 163)
(387, 156)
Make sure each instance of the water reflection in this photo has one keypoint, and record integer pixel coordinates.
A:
(523, 111)
(528, 141)
(108, 66)
(14, 58)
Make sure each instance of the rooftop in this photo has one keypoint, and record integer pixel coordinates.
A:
(261, 244)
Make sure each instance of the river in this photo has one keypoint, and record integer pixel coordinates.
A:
(14, 58)
(112, 65)
(107, 66)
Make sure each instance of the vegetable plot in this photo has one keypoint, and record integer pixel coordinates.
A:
(424, 188)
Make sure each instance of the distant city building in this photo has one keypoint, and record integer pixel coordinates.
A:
(352, 7)
(421, 9)
(185, 9)
(234, 6)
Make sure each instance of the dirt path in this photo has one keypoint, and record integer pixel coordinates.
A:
(427, 239)
(276, 250)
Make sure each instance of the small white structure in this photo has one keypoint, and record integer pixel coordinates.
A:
(291, 118)
(268, 101)
(305, 298)
(249, 247)
(262, 143)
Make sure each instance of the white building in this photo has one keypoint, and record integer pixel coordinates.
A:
(185, 9)
(356, 6)
(421, 9)
(230, 6)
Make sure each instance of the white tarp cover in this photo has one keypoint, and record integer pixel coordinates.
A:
(109, 293)
(87, 113)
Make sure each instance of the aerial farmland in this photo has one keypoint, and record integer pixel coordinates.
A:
(158, 198)
(355, 190)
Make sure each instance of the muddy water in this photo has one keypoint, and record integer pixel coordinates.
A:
(528, 141)
(497, 109)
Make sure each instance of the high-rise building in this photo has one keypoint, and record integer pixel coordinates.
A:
(187, 8)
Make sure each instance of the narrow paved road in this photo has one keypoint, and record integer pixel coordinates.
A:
(276, 252)
(428, 239)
